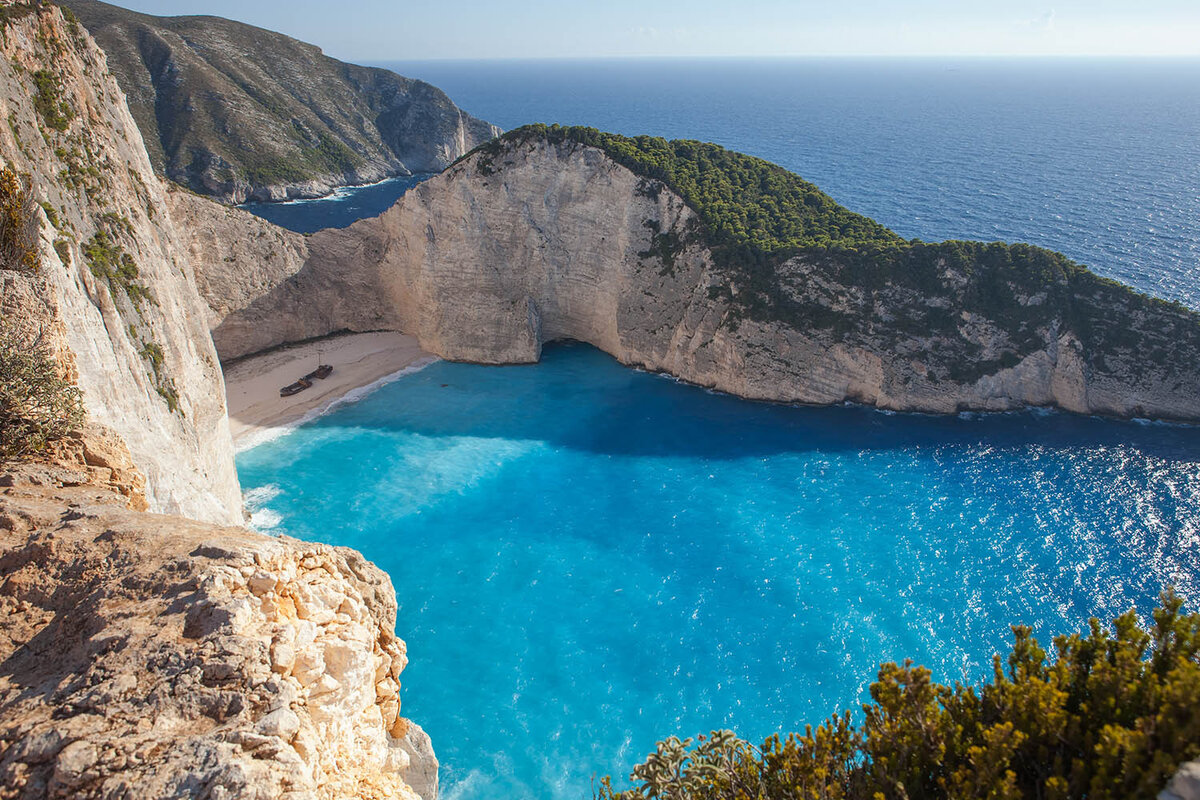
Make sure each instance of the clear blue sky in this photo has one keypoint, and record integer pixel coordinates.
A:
(376, 30)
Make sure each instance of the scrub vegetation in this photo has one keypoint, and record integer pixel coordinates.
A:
(1110, 717)
(37, 405)
(18, 224)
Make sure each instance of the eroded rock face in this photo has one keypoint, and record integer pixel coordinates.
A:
(115, 295)
(542, 241)
(151, 656)
(238, 112)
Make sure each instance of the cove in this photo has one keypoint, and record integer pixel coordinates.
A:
(588, 558)
(340, 209)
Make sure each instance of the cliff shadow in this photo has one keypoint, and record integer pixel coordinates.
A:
(580, 398)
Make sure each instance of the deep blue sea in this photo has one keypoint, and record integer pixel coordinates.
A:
(589, 558)
(338, 210)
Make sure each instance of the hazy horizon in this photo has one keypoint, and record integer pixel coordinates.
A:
(377, 30)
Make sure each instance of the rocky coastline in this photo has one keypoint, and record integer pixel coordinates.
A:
(540, 240)
(150, 645)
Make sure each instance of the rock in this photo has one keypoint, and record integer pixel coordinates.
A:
(282, 723)
(38, 748)
(422, 773)
(1185, 785)
(75, 759)
(168, 673)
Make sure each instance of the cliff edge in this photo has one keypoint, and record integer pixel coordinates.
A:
(143, 654)
(111, 289)
(152, 656)
(725, 271)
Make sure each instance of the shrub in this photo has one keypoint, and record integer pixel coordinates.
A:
(55, 111)
(1111, 717)
(18, 224)
(62, 246)
(36, 405)
(109, 261)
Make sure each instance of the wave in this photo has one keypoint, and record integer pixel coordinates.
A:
(337, 195)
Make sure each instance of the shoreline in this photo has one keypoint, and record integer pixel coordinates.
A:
(333, 194)
(362, 363)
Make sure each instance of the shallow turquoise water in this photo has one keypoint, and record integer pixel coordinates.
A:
(589, 558)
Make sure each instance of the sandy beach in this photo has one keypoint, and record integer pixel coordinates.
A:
(359, 359)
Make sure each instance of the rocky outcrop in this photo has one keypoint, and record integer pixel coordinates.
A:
(536, 241)
(1185, 785)
(239, 258)
(145, 655)
(237, 112)
(152, 656)
(115, 292)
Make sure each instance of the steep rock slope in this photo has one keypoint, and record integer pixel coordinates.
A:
(145, 655)
(538, 237)
(115, 293)
(151, 656)
(237, 112)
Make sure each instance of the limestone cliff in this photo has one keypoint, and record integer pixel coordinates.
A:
(152, 656)
(115, 291)
(237, 112)
(532, 240)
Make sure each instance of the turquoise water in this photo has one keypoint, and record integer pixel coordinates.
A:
(589, 558)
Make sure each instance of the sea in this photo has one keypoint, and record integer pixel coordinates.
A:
(589, 558)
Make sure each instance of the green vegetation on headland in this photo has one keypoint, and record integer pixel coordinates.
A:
(876, 287)
(1111, 717)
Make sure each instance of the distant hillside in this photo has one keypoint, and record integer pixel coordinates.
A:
(238, 112)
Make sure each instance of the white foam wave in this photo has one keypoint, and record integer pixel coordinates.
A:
(261, 437)
(260, 496)
(337, 195)
(265, 520)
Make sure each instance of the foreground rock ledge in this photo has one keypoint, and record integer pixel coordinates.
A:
(151, 656)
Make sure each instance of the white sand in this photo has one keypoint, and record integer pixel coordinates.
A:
(257, 412)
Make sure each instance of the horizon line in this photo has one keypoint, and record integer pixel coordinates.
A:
(802, 56)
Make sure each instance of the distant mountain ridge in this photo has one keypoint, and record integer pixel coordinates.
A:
(238, 112)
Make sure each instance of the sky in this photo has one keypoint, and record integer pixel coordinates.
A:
(380, 30)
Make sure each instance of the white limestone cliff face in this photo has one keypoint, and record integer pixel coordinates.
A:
(145, 364)
(153, 656)
(552, 241)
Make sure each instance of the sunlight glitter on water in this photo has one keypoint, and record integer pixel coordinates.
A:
(588, 558)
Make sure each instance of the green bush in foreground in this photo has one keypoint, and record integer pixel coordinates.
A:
(1111, 716)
